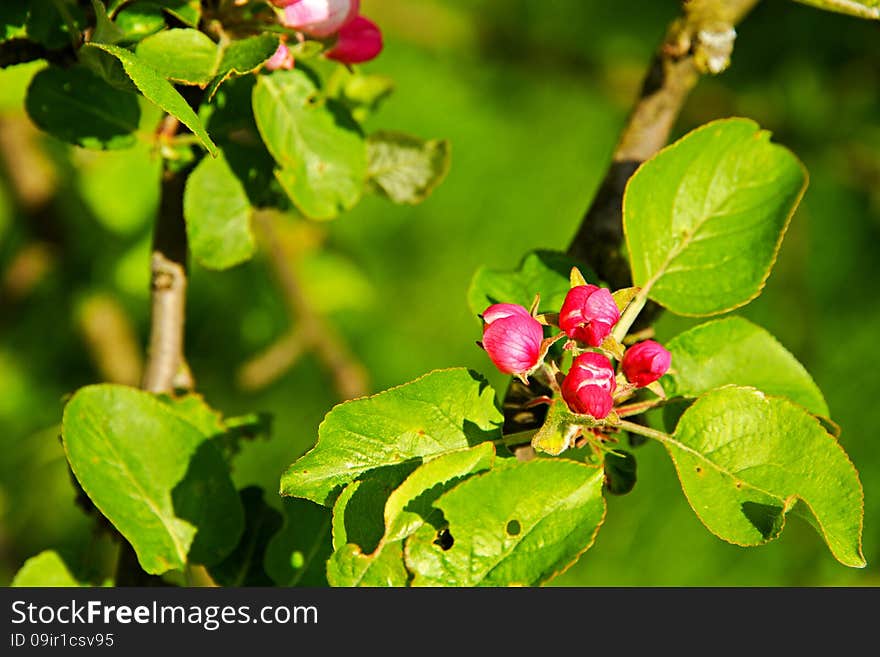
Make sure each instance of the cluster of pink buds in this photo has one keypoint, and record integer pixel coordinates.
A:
(357, 39)
(513, 337)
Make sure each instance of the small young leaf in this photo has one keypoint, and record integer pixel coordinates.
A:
(157, 89)
(620, 472)
(406, 169)
(156, 477)
(218, 215)
(735, 351)
(544, 514)
(317, 145)
(78, 107)
(45, 569)
(860, 8)
(540, 272)
(745, 459)
(244, 565)
(181, 55)
(242, 56)
(704, 218)
(440, 412)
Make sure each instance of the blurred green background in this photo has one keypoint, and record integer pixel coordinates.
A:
(532, 96)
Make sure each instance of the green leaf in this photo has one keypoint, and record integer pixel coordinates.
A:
(406, 169)
(543, 515)
(440, 412)
(218, 215)
(704, 218)
(620, 472)
(78, 107)
(45, 569)
(181, 55)
(244, 565)
(157, 89)
(860, 8)
(242, 56)
(539, 272)
(560, 429)
(297, 553)
(189, 12)
(139, 20)
(317, 145)
(48, 26)
(156, 477)
(362, 94)
(735, 351)
(105, 30)
(744, 459)
(380, 562)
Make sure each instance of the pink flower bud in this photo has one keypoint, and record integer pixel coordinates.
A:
(282, 58)
(588, 386)
(645, 362)
(588, 314)
(359, 41)
(512, 338)
(319, 18)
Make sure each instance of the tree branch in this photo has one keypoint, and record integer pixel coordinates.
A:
(699, 41)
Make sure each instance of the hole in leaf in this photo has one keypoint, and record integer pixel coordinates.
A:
(444, 539)
(698, 470)
(513, 528)
(297, 560)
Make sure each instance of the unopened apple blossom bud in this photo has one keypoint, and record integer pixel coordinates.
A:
(320, 18)
(358, 41)
(588, 314)
(589, 384)
(512, 338)
(645, 362)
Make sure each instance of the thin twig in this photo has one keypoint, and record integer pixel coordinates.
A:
(349, 375)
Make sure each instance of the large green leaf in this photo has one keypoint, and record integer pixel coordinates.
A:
(403, 512)
(861, 8)
(297, 554)
(157, 89)
(440, 412)
(182, 55)
(156, 477)
(521, 524)
(705, 217)
(218, 215)
(242, 56)
(540, 272)
(45, 569)
(735, 351)
(318, 146)
(77, 106)
(404, 168)
(744, 459)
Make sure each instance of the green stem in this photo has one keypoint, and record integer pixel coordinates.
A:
(645, 431)
(638, 407)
